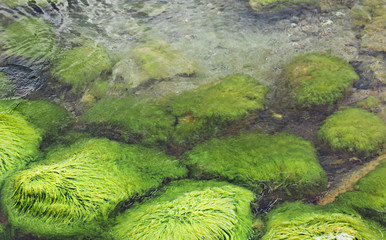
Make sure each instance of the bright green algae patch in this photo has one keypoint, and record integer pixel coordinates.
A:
(19, 143)
(30, 38)
(134, 120)
(369, 197)
(259, 161)
(354, 130)
(190, 210)
(318, 79)
(202, 112)
(296, 220)
(50, 118)
(82, 65)
(76, 188)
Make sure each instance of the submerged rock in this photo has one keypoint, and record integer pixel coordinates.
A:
(19, 143)
(261, 162)
(302, 221)
(73, 192)
(202, 112)
(29, 38)
(82, 65)
(6, 86)
(190, 210)
(354, 131)
(15, 3)
(152, 61)
(317, 79)
(276, 5)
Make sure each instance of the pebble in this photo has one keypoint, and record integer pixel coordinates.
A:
(340, 14)
(328, 22)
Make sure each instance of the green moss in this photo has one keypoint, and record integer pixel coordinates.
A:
(6, 86)
(15, 3)
(318, 79)
(275, 5)
(134, 120)
(354, 130)
(203, 111)
(31, 38)
(369, 197)
(19, 143)
(370, 102)
(259, 161)
(82, 65)
(190, 210)
(73, 192)
(153, 61)
(47, 116)
(302, 221)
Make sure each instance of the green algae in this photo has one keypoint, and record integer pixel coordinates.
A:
(354, 130)
(303, 221)
(202, 112)
(317, 79)
(19, 143)
(30, 38)
(373, 34)
(50, 118)
(6, 86)
(259, 161)
(190, 210)
(74, 190)
(15, 3)
(275, 5)
(82, 65)
(370, 102)
(134, 120)
(369, 195)
(153, 61)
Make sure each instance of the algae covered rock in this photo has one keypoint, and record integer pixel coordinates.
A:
(30, 38)
(203, 111)
(152, 61)
(369, 197)
(302, 221)
(82, 65)
(50, 118)
(133, 120)
(6, 86)
(19, 143)
(373, 35)
(275, 5)
(190, 210)
(318, 79)
(15, 3)
(260, 161)
(354, 130)
(371, 102)
(73, 192)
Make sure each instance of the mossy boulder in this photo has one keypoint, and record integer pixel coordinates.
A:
(190, 210)
(6, 86)
(260, 161)
(317, 79)
(152, 61)
(277, 5)
(82, 65)
(73, 192)
(355, 131)
(369, 197)
(19, 143)
(50, 118)
(131, 120)
(202, 112)
(303, 221)
(30, 38)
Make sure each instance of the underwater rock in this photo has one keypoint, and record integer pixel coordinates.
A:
(317, 79)
(369, 197)
(74, 190)
(6, 86)
(302, 221)
(15, 3)
(373, 35)
(50, 118)
(355, 131)
(82, 65)
(29, 38)
(152, 61)
(277, 5)
(133, 120)
(187, 209)
(203, 111)
(260, 162)
(19, 142)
